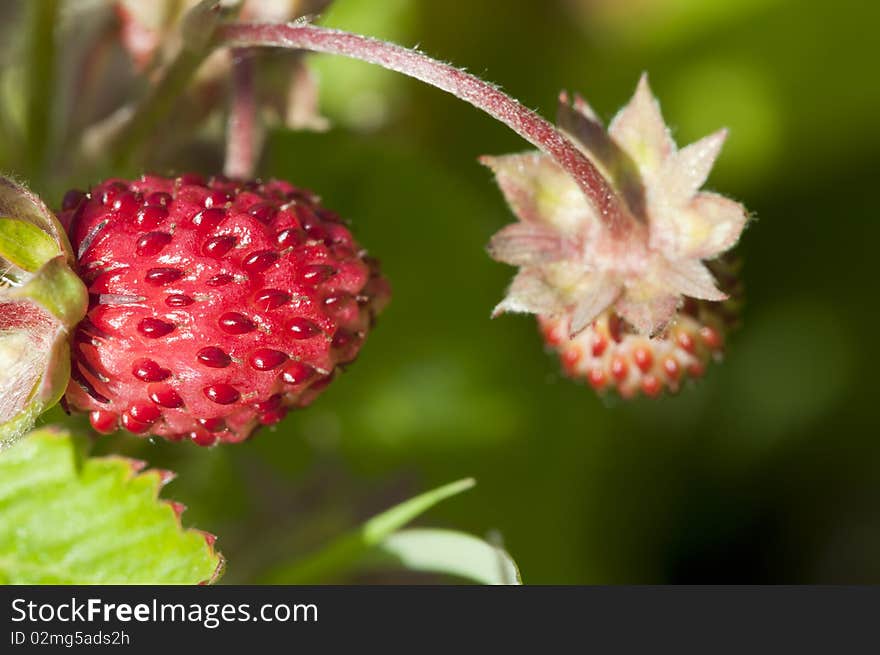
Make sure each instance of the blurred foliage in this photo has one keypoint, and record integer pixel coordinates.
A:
(767, 471)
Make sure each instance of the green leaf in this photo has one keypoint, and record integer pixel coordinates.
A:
(69, 520)
(448, 552)
(25, 245)
(346, 552)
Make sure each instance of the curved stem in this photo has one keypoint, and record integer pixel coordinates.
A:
(241, 131)
(465, 86)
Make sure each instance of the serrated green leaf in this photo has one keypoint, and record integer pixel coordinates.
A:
(68, 520)
(448, 552)
(344, 553)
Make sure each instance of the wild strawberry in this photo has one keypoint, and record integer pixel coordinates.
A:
(613, 291)
(214, 306)
(610, 355)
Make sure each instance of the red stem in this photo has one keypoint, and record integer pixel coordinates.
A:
(465, 86)
(241, 147)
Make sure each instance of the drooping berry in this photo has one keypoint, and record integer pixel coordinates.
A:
(206, 322)
(611, 354)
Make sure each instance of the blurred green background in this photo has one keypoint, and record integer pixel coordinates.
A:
(768, 471)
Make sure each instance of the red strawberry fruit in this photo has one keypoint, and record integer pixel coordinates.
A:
(214, 306)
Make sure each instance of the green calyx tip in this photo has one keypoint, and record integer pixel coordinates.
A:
(58, 289)
(25, 245)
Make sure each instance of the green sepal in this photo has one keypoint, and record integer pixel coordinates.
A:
(20, 203)
(58, 289)
(49, 385)
(25, 245)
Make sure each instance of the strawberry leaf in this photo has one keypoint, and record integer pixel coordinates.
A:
(65, 519)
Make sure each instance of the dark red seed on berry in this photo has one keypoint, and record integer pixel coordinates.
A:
(111, 191)
(643, 359)
(151, 216)
(672, 368)
(302, 328)
(316, 273)
(214, 424)
(154, 327)
(144, 413)
(178, 300)
(259, 261)
(265, 359)
(133, 425)
(619, 369)
(202, 438)
(213, 357)
(273, 416)
(208, 219)
(272, 402)
(103, 421)
(710, 337)
(270, 299)
(152, 243)
(263, 212)
(336, 300)
(289, 238)
(297, 373)
(235, 323)
(219, 280)
(72, 199)
(218, 246)
(158, 199)
(342, 338)
(160, 276)
(615, 327)
(126, 203)
(596, 378)
(221, 393)
(217, 199)
(571, 356)
(651, 385)
(317, 233)
(686, 341)
(193, 179)
(164, 396)
(146, 370)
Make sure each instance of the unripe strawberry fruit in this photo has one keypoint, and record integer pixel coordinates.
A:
(612, 356)
(214, 306)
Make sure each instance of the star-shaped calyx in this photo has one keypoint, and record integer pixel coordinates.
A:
(574, 262)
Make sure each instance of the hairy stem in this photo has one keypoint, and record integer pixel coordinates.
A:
(40, 82)
(465, 86)
(242, 128)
